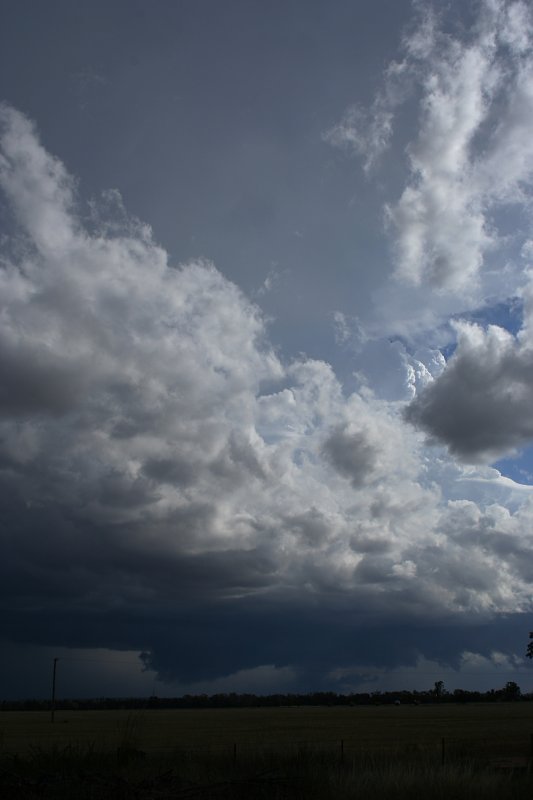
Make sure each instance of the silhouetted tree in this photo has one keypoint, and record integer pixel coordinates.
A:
(512, 691)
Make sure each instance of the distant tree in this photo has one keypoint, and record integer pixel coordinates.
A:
(512, 691)
(438, 690)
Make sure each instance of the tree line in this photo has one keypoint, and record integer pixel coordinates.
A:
(438, 694)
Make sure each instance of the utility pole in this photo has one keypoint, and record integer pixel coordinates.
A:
(53, 704)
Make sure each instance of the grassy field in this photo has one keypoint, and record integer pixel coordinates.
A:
(506, 727)
(392, 752)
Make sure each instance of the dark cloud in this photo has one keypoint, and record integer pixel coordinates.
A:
(203, 644)
(170, 470)
(351, 453)
(36, 382)
(480, 406)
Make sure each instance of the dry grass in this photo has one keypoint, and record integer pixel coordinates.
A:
(89, 774)
(392, 752)
(504, 726)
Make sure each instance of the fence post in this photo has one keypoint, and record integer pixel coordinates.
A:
(342, 751)
(530, 751)
(234, 753)
(442, 751)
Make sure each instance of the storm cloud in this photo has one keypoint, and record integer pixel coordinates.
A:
(480, 406)
(175, 483)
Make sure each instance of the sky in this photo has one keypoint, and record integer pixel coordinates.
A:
(266, 345)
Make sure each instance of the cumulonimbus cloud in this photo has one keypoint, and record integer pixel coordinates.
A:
(157, 457)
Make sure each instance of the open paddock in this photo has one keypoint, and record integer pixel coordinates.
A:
(503, 729)
(302, 753)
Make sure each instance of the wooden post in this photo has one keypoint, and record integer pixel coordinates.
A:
(234, 753)
(342, 751)
(53, 703)
(442, 751)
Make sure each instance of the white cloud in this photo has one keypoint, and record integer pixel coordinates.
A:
(368, 133)
(349, 332)
(472, 153)
(461, 237)
(459, 165)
